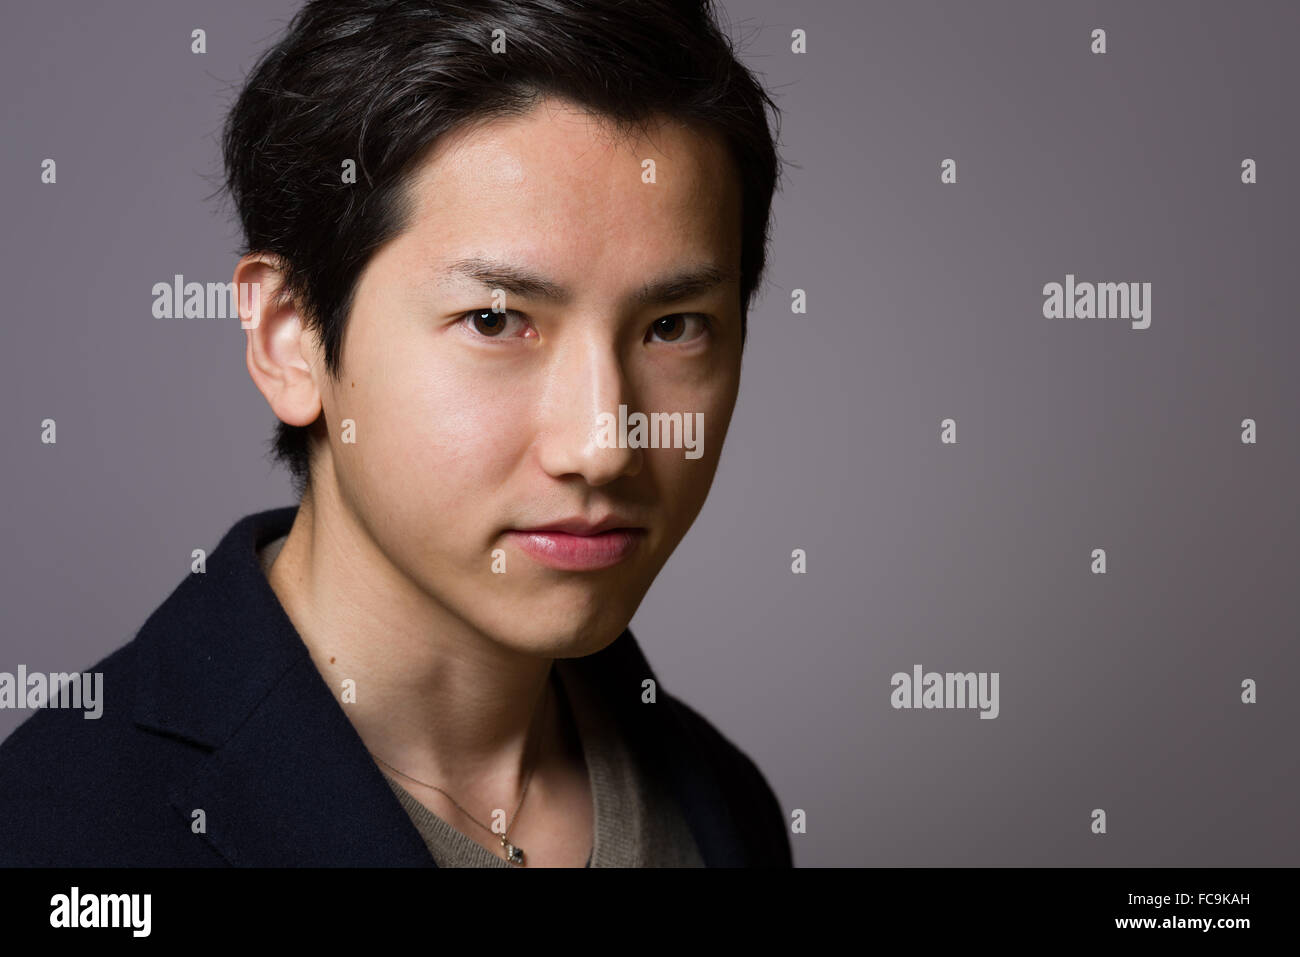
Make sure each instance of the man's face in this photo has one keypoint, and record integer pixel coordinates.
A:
(472, 426)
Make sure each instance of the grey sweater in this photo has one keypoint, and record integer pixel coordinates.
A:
(637, 823)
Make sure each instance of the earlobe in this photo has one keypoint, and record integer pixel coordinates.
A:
(282, 351)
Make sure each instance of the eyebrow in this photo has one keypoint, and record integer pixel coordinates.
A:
(517, 281)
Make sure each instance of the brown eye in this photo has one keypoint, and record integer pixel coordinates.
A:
(489, 323)
(674, 328)
(669, 327)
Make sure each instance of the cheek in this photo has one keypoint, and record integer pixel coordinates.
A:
(683, 482)
(439, 435)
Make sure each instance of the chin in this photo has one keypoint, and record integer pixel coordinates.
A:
(561, 636)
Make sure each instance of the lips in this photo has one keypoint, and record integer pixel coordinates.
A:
(580, 526)
(589, 549)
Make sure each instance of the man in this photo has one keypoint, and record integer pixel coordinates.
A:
(489, 246)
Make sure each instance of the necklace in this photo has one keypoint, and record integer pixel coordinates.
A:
(514, 854)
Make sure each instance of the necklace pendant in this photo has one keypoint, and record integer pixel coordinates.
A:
(514, 854)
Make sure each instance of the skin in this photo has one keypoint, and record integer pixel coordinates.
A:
(462, 435)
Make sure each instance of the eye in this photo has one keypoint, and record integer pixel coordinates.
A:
(678, 328)
(489, 324)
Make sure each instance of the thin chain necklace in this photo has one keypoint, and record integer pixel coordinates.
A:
(514, 854)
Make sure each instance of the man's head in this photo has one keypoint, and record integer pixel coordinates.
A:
(607, 152)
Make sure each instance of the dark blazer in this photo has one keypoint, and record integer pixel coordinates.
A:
(216, 704)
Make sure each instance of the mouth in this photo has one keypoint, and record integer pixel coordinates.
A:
(588, 550)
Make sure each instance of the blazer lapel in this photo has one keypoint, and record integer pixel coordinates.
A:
(285, 780)
(295, 786)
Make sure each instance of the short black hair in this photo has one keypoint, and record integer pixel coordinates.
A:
(379, 81)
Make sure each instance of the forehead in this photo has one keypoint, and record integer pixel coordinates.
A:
(562, 187)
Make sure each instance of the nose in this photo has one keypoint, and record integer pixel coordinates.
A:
(585, 380)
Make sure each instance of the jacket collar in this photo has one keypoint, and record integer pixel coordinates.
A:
(287, 779)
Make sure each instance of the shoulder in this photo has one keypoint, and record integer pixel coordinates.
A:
(80, 790)
(750, 800)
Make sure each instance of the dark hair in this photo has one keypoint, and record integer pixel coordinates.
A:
(379, 81)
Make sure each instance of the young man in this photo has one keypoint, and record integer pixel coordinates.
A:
(485, 241)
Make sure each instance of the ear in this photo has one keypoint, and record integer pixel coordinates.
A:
(283, 354)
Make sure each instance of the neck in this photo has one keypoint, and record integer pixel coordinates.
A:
(435, 697)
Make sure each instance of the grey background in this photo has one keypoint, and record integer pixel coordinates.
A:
(1118, 691)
